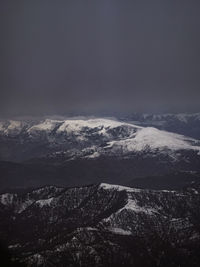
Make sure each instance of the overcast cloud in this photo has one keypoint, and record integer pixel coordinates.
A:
(99, 56)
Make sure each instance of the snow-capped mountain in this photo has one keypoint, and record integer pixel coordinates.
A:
(88, 138)
(183, 123)
(102, 225)
(76, 151)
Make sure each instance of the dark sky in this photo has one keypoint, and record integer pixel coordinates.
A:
(99, 56)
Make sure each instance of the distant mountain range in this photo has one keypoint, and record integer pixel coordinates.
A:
(77, 151)
(87, 138)
(183, 123)
(102, 225)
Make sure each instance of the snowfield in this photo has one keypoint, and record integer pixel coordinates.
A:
(153, 139)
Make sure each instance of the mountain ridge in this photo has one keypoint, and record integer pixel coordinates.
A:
(92, 150)
(102, 225)
(89, 138)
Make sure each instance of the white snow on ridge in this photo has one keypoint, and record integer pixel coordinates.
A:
(44, 202)
(77, 125)
(23, 205)
(14, 125)
(6, 199)
(136, 138)
(153, 138)
(107, 186)
(11, 127)
(132, 205)
(118, 187)
(19, 205)
(119, 231)
(47, 125)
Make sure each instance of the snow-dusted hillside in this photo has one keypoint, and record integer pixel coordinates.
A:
(89, 138)
(102, 225)
(183, 123)
(152, 139)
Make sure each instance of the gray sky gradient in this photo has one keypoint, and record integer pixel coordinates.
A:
(99, 56)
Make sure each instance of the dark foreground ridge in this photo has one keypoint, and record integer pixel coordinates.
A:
(102, 225)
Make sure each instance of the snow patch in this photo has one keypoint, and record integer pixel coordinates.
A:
(132, 205)
(44, 202)
(24, 205)
(118, 187)
(6, 199)
(119, 231)
(94, 155)
(14, 246)
(11, 127)
(77, 125)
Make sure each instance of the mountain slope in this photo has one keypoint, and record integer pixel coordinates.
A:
(102, 225)
(183, 123)
(91, 150)
(78, 138)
